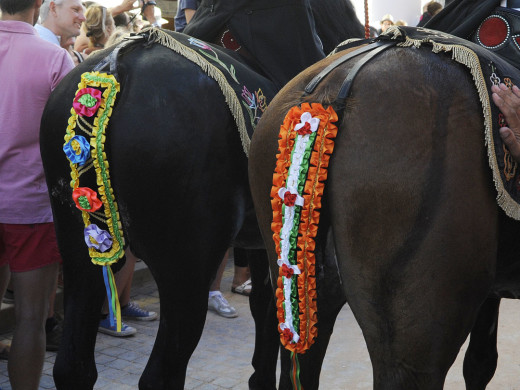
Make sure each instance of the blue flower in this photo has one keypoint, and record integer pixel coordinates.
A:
(77, 150)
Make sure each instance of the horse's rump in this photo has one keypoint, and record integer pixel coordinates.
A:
(406, 228)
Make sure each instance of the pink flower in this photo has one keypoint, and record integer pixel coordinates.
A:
(87, 101)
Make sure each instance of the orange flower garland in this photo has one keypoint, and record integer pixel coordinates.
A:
(307, 224)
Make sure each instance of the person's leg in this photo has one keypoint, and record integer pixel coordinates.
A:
(53, 328)
(52, 299)
(215, 286)
(123, 279)
(242, 278)
(4, 281)
(126, 278)
(129, 310)
(216, 301)
(33, 289)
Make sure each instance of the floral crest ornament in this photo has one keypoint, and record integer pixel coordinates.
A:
(86, 199)
(77, 150)
(90, 113)
(97, 238)
(87, 101)
(304, 148)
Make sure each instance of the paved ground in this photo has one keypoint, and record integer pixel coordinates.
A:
(222, 358)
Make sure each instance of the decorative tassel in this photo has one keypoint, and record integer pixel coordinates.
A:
(212, 71)
(114, 309)
(295, 372)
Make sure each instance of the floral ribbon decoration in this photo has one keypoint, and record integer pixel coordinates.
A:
(90, 113)
(304, 148)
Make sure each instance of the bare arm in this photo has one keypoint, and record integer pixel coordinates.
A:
(149, 12)
(188, 12)
(508, 101)
(126, 5)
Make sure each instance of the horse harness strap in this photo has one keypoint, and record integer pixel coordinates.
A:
(320, 76)
(339, 103)
(373, 50)
(111, 59)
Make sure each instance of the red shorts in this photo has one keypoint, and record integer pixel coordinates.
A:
(28, 247)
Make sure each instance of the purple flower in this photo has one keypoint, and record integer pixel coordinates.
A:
(97, 238)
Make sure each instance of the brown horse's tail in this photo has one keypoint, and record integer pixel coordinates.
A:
(306, 142)
(305, 146)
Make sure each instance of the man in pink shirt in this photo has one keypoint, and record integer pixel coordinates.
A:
(30, 68)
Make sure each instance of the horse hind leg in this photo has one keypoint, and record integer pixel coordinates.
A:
(261, 303)
(481, 358)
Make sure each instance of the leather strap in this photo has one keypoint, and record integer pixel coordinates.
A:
(333, 65)
(373, 50)
(111, 59)
(344, 91)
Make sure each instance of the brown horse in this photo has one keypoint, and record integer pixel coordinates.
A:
(423, 250)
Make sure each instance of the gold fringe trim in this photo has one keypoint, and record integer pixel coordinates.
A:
(343, 43)
(469, 58)
(212, 71)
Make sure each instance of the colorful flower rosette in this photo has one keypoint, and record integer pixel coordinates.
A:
(90, 114)
(305, 145)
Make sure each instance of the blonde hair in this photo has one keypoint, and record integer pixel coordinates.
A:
(98, 19)
(119, 34)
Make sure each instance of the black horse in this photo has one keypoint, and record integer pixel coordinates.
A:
(179, 175)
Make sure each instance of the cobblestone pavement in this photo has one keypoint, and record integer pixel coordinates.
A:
(222, 358)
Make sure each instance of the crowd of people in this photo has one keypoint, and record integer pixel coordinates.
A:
(430, 9)
(82, 27)
(65, 32)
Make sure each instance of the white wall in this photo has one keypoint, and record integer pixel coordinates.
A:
(409, 10)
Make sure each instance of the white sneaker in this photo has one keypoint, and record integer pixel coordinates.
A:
(221, 306)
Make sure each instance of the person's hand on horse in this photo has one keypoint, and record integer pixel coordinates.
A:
(508, 101)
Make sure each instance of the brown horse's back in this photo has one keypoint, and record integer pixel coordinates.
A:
(410, 200)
